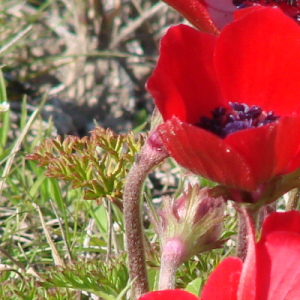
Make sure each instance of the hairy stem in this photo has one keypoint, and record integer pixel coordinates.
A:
(173, 255)
(167, 275)
(243, 231)
(264, 212)
(241, 250)
(151, 155)
(293, 201)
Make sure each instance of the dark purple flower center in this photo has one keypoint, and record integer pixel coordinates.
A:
(239, 117)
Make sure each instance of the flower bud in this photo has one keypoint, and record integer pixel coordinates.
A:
(193, 223)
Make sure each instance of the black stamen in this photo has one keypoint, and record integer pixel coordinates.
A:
(218, 112)
(254, 112)
(240, 117)
(237, 106)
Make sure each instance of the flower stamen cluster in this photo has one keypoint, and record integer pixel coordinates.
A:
(241, 116)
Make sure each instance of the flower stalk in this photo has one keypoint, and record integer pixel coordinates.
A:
(241, 249)
(152, 153)
(172, 257)
(244, 213)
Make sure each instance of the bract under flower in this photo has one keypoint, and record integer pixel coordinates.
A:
(254, 61)
(271, 270)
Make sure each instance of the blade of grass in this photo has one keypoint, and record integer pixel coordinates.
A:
(5, 116)
(15, 39)
(57, 259)
(18, 142)
(62, 232)
(56, 195)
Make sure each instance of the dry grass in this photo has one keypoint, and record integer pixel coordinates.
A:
(93, 56)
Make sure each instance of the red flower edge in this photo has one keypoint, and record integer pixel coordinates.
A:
(169, 294)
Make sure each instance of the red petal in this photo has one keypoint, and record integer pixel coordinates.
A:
(206, 154)
(244, 160)
(257, 60)
(288, 221)
(239, 13)
(278, 257)
(169, 295)
(223, 282)
(184, 82)
(257, 147)
(263, 150)
(287, 143)
(294, 164)
(195, 12)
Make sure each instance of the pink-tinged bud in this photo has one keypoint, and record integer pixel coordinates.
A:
(189, 225)
(194, 220)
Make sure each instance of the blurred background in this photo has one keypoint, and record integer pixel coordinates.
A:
(92, 57)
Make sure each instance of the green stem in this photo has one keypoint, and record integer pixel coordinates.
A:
(280, 186)
(151, 155)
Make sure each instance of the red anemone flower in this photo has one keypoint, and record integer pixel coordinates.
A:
(230, 103)
(212, 15)
(271, 270)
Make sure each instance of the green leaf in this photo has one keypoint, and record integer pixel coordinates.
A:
(194, 287)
